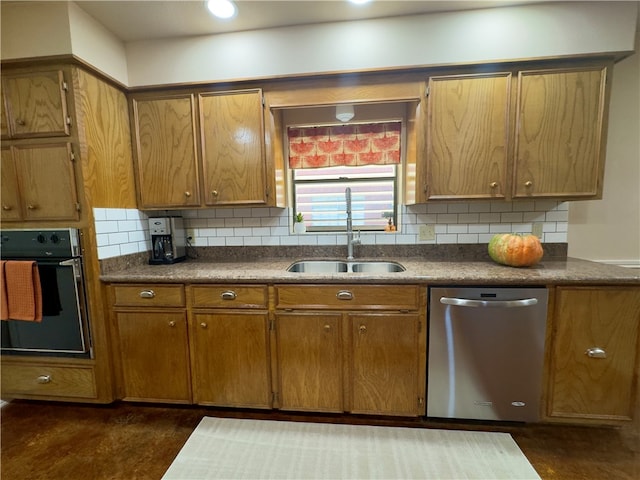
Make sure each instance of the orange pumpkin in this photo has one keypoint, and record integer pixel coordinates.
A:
(515, 250)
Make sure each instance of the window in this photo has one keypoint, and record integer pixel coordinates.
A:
(319, 194)
(324, 161)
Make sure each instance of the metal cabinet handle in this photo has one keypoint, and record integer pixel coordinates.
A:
(172, 324)
(214, 193)
(327, 327)
(528, 183)
(596, 352)
(493, 184)
(20, 122)
(228, 295)
(187, 194)
(31, 206)
(44, 379)
(6, 207)
(203, 325)
(147, 294)
(344, 295)
(363, 329)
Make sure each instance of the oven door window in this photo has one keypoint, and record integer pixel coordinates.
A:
(63, 330)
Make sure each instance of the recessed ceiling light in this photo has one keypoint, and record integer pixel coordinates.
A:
(222, 8)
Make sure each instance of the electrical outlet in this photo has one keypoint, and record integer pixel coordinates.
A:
(190, 233)
(536, 229)
(427, 232)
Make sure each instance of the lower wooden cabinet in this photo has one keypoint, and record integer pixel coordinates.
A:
(594, 354)
(368, 357)
(231, 359)
(154, 356)
(47, 380)
(310, 363)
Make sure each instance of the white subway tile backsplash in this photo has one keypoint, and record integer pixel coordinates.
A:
(124, 231)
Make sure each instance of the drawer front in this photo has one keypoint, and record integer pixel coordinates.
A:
(149, 295)
(45, 380)
(229, 296)
(375, 297)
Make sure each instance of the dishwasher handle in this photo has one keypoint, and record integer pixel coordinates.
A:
(467, 302)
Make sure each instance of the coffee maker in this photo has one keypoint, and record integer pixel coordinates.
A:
(167, 240)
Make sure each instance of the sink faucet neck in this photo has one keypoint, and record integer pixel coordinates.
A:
(351, 241)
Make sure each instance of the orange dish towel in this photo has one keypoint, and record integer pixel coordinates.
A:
(4, 302)
(24, 293)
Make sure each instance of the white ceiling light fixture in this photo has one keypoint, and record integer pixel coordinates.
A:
(222, 8)
(344, 113)
(359, 2)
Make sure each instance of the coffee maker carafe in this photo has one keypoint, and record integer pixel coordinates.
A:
(167, 240)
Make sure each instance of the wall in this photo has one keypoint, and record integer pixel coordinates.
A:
(609, 229)
(125, 231)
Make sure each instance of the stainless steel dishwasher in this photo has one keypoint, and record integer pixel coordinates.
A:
(486, 352)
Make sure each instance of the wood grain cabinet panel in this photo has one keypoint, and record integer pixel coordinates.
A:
(229, 296)
(35, 104)
(151, 295)
(310, 358)
(231, 359)
(233, 154)
(154, 355)
(165, 150)
(468, 136)
(560, 133)
(595, 353)
(41, 183)
(47, 381)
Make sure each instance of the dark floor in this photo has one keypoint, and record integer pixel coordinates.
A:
(57, 441)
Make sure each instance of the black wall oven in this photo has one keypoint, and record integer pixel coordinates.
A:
(64, 329)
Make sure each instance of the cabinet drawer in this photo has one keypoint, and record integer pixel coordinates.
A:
(46, 380)
(375, 297)
(229, 296)
(149, 295)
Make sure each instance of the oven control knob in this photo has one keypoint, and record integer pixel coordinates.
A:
(55, 238)
(41, 238)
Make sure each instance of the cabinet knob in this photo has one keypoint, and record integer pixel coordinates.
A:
(147, 294)
(214, 193)
(172, 324)
(344, 295)
(6, 207)
(21, 122)
(363, 329)
(493, 184)
(327, 327)
(31, 206)
(203, 325)
(187, 194)
(228, 295)
(44, 379)
(528, 183)
(596, 352)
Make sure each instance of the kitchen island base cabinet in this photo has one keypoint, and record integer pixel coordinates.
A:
(231, 359)
(594, 354)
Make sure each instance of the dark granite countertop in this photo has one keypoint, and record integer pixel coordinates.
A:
(418, 270)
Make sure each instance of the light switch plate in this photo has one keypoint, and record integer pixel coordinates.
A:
(536, 229)
(427, 232)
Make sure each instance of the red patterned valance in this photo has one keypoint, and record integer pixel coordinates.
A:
(344, 145)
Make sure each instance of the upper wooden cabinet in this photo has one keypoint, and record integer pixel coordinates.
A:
(514, 134)
(166, 151)
(35, 105)
(467, 136)
(39, 183)
(560, 134)
(232, 136)
(195, 150)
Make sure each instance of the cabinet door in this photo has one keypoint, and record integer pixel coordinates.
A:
(36, 104)
(559, 146)
(154, 354)
(594, 353)
(467, 137)
(166, 153)
(309, 347)
(233, 148)
(232, 366)
(385, 370)
(11, 204)
(47, 181)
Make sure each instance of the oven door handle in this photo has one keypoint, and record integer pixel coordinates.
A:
(72, 262)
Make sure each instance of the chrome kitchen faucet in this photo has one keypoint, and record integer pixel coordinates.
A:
(350, 240)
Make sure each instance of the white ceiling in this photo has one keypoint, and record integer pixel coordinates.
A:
(142, 20)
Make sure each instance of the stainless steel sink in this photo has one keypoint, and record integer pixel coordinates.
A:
(340, 266)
